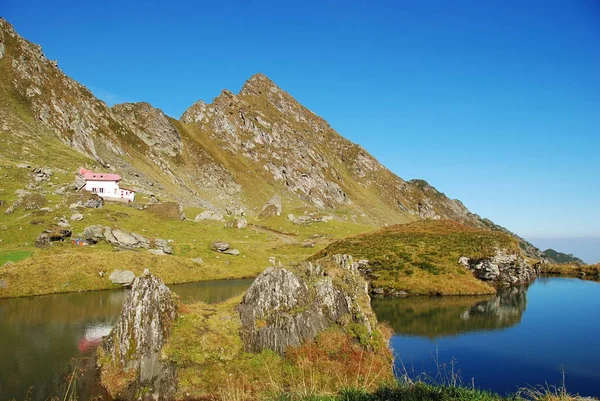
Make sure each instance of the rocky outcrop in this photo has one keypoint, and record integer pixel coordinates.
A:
(124, 240)
(503, 268)
(132, 352)
(52, 234)
(289, 306)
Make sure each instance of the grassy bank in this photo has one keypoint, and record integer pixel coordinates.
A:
(419, 391)
(421, 258)
(572, 270)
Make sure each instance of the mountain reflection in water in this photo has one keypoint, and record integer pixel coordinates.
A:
(435, 317)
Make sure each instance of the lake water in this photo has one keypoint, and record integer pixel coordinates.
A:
(42, 338)
(518, 337)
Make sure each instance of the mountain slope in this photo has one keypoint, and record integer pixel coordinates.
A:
(233, 154)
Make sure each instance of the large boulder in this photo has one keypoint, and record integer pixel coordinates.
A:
(122, 277)
(209, 215)
(130, 357)
(288, 307)
(502, 268)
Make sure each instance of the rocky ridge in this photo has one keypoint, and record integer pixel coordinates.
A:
(235, 153)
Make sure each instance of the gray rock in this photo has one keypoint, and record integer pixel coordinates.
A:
(209, 215)
(503, 268)
(137, 339)
(122, 277)
(74, 206)
(94, 202)
(220, 246)
(3, 284)
(198, 261)
(233, 252)
(77, 217)
(63, 222)
(124, 239)
(93, 234)
(156, 251)
(163, 245)
(289, 306)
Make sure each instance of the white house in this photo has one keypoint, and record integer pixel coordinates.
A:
(106, 185)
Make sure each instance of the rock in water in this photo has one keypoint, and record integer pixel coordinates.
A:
(288, 307)
(132, 366)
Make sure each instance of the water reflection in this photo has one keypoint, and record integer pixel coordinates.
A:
(434, 317)
(42, 336)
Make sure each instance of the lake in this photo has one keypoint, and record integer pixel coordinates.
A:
(521, 336)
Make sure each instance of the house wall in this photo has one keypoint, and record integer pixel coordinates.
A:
(105, 189)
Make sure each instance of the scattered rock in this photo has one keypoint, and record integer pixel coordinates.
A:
(63, 222)
(3, 284)
(233, 252)
(198, 261)
(94, 202)
(272, 261)
(220, 246)
(10, 262)
(134, 346)
(156, 251)
(272, 207)
(209, 215)
(238, 223)
(122, 277)
(163, 245)
(77, 217)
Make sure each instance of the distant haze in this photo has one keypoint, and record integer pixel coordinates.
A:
(587, 249)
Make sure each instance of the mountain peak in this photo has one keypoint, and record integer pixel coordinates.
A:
(257, 84)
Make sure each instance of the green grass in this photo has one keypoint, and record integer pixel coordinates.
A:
(421, 258)
(205, 346)
(65, 268)
(13, 256)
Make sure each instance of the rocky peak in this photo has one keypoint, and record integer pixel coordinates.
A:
(132, 351)
(258, 84)
(196, 113)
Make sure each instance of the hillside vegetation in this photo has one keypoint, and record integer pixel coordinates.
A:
(421, 258)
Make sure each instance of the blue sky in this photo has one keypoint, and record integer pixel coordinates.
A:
(496, 103)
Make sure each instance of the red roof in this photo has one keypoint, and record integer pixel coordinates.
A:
(91, 176)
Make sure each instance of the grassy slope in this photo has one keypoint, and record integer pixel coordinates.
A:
(572, 270)
(65, 268)
(205, 346)
(422, 257)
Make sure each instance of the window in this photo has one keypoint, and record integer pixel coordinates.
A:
(94, 190)
(101, 190)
